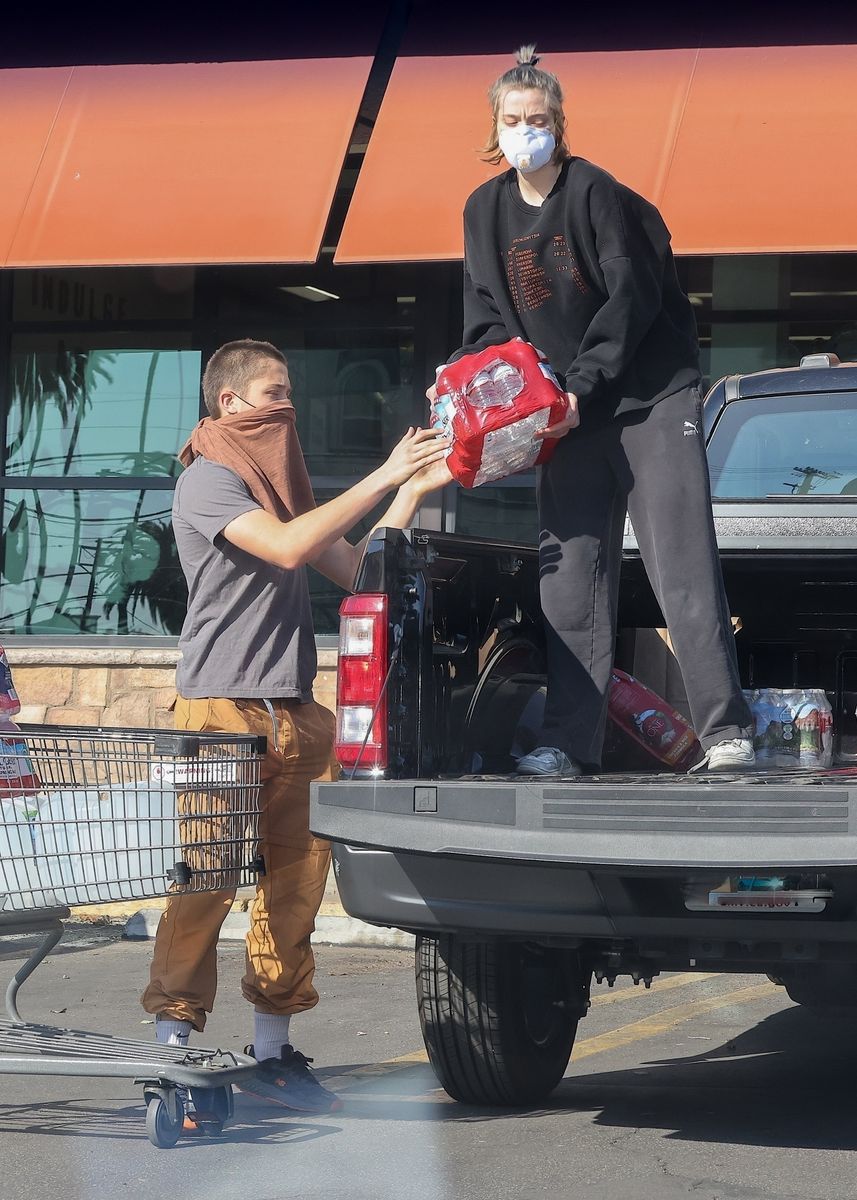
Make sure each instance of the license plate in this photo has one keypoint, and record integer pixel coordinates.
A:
(753, 893)
(751, 901)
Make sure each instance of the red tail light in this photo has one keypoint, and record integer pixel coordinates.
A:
(360, 705)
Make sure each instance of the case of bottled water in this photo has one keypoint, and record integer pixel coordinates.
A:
(492, 404)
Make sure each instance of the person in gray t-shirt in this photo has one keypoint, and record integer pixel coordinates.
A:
(246, 527)
(248, 631)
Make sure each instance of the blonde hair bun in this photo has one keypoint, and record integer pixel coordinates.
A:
(526, 56)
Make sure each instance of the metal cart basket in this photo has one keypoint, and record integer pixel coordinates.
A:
(91, 816)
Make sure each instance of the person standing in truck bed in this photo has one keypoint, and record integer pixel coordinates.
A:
(559, 253)
(246, 526)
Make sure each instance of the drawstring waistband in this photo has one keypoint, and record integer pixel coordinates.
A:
(274, 723)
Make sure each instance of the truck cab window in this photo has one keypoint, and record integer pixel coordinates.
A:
(785, 446)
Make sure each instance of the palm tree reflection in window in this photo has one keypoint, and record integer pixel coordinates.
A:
(141, 573)
(142, 569)
(40, 380)
(129, 565)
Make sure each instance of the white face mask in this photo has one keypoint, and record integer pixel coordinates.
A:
(527, 148)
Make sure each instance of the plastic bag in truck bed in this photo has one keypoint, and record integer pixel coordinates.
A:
(492, 404)
(793, 727)
(643, 731)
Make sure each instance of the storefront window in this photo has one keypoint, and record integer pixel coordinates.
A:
(91, 561)
(353, 402)
(102, 388)
(758, 311)
(79, 408)
(506, 513)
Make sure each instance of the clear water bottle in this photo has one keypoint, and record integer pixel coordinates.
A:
(495, 386)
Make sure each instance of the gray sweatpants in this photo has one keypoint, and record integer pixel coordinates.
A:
(653, 464)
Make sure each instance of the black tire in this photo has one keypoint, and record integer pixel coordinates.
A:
(498, 1019)
(161, 1130)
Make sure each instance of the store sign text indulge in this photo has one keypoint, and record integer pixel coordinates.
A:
(75, 300)
(103, 295)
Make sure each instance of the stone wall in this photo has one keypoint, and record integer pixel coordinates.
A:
(115, 687)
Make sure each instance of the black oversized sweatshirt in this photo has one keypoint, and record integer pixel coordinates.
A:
(589, 278)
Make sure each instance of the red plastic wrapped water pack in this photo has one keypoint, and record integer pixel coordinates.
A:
(643, 730)
(17, 774)
(492, 404)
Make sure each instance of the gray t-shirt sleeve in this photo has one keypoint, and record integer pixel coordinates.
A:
(211, 496)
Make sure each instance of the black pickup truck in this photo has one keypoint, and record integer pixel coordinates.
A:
(519, 890)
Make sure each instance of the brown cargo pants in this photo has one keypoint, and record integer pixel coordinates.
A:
(279, 960)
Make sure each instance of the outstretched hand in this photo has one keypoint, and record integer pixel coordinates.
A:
(417, 450)
(571, 420)
(429, 479)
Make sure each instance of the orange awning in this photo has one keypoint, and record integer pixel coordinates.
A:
(743, 150)
(188, 163)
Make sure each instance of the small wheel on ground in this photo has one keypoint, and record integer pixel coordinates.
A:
(498, 1019)
(161, 1129)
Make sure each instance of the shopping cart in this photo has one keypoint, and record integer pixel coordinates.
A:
(91, 816)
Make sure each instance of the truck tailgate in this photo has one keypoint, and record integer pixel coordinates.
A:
(757, 820)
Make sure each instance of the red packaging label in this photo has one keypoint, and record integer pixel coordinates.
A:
(17, 774)
(492, 404)
(650, 723)
(9, 702)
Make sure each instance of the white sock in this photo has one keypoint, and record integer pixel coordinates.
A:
(172, 1033)
(270, 1034)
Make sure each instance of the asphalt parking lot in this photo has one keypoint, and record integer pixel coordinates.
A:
(711, 1086)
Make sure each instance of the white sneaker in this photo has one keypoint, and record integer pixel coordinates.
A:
(548, 760)
(733, 754)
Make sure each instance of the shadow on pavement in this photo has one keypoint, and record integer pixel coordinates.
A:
(15, 948)
(80, 1118)
(786, 1082)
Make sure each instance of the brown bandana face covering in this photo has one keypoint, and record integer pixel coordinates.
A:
(262, 447)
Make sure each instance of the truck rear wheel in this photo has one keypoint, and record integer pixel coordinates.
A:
(498, 1019)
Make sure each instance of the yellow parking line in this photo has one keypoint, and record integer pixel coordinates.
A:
(404, 1060)
(614, 1039)
(685, 979)
(668, 1018)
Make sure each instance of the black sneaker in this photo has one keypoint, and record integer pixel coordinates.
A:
(288, 1081)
